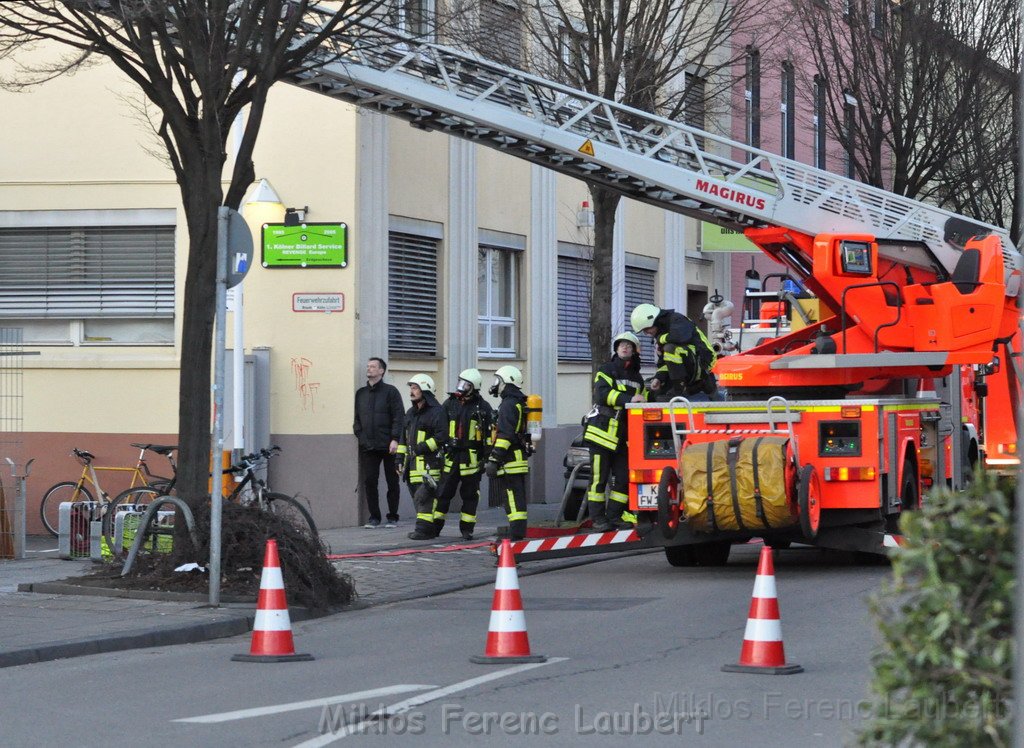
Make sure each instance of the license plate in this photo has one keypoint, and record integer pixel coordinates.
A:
(646, 496)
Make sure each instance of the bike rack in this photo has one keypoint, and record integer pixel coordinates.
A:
(147, 519)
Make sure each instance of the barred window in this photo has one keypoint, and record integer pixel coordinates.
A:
(787, 108)
(573, 309)
(752, 98)
(694, 107)
(497, 294)
(88, 284)
(412, 294)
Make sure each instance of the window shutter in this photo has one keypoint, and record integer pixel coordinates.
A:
(639, 290)
(87, 272)
(412, 294)
(573, 309)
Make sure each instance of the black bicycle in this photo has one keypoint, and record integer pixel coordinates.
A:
(252, 491)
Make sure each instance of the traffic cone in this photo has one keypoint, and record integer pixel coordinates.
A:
(762, 642)
(507, 641)
(272, 630)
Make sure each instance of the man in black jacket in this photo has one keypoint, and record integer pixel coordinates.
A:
(378, 427)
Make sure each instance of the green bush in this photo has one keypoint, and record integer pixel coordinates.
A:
(943, 674)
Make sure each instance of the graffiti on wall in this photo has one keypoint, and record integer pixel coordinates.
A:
(307, 390)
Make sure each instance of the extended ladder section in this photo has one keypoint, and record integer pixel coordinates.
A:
(640, 155)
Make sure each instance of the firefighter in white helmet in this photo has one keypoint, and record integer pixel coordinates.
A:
(617, 383)
(470, 418)
(419, 451)
(685, 355)
(506, 465)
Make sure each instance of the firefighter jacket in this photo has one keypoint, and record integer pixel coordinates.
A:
(469, 430)
(426, 430)
(615, 384)
(509, 448)
(686, 355)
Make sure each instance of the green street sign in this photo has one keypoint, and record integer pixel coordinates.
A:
(308, 245)
(717, 239)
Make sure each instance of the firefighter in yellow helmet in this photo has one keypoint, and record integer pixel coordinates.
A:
(419, 451)
(617, 383)
(506, 465)
(686, 356)
(470, 418)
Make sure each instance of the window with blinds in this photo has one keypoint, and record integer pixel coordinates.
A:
(694, 107)
(412, 294)
(87, 273)
(573, 309)
(639, 290)
(501, 32)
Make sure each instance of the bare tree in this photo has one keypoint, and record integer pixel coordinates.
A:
(198, 63)
(668, 57)
(921, 97)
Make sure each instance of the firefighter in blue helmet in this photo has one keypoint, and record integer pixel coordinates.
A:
(616, 383)
(506, 465)
(419, 452)
(469, 431)
(686, 356)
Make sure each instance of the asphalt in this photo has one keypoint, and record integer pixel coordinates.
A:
(45, 618)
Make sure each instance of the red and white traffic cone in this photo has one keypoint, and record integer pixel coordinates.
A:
(507, 641)
(272, 630)
(762, 642)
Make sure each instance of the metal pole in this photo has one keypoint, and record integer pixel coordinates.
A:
(238, 377)
(218, 404)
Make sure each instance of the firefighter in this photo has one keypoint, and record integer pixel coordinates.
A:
(419, 452)
(506, 465)
(616, 383)
(469, 429)
(685, 355)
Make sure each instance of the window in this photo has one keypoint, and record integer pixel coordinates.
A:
(573, 309)
(414, 17)
(849, 116)
(820, 91)
(75, 285)
(877, 15)
(787, 107)
(497, 294)
(639, 290)
(752, 97)
(412, 294)
(693, 104)
(501, 32)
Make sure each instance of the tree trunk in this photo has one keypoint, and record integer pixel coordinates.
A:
(201, 207)
(605, 204)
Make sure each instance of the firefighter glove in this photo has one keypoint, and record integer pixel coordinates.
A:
(491, 468)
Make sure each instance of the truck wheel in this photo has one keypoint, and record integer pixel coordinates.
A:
(808, 496)
(681, 555)
(713, 554)
(668, 503)
(910, 490)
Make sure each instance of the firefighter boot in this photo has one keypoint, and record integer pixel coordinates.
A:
(466, 528)
(616, 520)
(598, 519)
(438, 524)
(425, 504)
(517, 529)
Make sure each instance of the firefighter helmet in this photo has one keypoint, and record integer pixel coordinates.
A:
(424, 381)
(506, 375)
(629, 338)
(473, 377)
(643, 316)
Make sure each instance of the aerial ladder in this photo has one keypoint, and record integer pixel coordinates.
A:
(919, 320)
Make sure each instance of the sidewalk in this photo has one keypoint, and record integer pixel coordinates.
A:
(43, 624)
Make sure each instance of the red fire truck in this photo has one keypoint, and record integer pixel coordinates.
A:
(909, 376)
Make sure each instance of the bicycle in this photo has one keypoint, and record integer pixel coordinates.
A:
(252, 490)
(77, 491)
